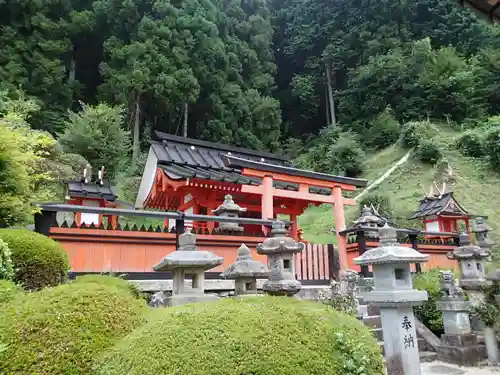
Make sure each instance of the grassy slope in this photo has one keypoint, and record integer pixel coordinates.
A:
(475, 186)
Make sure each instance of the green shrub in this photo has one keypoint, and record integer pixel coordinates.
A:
(114, 281)
(428, 152)
(38, 260)
(6, 269)
(252, 335)
(491, 146)
(470, 144)
(412, 133)
(9, 291)
(384, 130)
(380, 202)
(428, 312)
(61, 330)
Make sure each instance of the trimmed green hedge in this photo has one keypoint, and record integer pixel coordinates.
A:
(61, 330)
(38, 260)
(115, 281)
(252, 335)
(9, 291)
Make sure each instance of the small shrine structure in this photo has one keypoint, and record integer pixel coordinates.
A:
(441, 212)
(192, 176)
(245, 272)
(86, 192)
(191, 262)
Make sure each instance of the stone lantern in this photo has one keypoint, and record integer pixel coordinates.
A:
(471, 259)
(393, 293)
(495, 278)
(188, 261)
(280, 249)
(228, 209)
(480, 230)
(245, 272)
(458, 344)
(368, 220)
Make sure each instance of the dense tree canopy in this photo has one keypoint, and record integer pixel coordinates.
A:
(264, 75)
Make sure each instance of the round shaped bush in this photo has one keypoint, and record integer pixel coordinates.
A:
(428, 152)
(115, 281)
(62, 330)
(252, 335)
(9, 291)
(470, 144)
(412, 133)
(38, 260)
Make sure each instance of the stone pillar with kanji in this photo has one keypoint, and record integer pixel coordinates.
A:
(393, 293)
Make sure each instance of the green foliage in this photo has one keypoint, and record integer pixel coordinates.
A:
(9, 291)
(491, 145)
(428, 313)
(428, 152)
(470, 143)
(257, 335)
(62, 330)
(112, 281)
(413, 133)
(333, 152)
(96, 133)
(384, 130)
(382, 203)
(6, 269)
(38, 260)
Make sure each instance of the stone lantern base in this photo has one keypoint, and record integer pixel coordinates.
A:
(182, 299)
(461, 349)
(282, 287)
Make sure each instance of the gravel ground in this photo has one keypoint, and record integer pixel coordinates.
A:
(439, 368)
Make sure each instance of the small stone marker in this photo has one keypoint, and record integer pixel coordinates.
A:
(279, 249)
(245, 272)
(458, 344)
(228, 209)
(188, 261)
(393, 292)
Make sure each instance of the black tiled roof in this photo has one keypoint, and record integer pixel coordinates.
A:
(435, 206)
(90, 190)
(182, 158)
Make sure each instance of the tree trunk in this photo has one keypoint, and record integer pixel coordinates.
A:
(327, 108)
(136, 148)
(330, 93)
(185, 126)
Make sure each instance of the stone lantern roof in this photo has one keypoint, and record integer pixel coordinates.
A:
(245, 266)
(228, 206)
(480, 225)
(367, 217)
(389, 251)
(188, 256)
(279, 242)
(494, 276)
(466, 250)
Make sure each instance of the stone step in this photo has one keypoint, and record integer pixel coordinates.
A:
(373, 321)
(427, 356)
(377, 333)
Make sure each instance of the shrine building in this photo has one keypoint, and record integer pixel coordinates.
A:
(193, 176)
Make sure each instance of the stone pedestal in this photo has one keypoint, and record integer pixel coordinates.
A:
(393, 293)
(456, 319)
(461, 349)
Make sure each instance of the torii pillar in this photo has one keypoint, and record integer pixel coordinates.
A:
(339, 222)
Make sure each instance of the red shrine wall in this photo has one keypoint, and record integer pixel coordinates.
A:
(118, 251)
